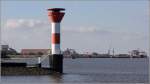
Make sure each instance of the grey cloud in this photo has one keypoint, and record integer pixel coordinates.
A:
(24, 23)
(87, 30)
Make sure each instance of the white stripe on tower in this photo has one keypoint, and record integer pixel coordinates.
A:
(55, 27)
(56, 49)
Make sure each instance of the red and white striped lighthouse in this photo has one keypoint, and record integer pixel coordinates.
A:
(55, 15)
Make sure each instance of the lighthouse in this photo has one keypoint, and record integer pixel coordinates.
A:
(56, 15)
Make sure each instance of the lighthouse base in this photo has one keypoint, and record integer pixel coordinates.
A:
(56, 63)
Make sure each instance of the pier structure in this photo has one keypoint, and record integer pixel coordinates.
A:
(56, 60)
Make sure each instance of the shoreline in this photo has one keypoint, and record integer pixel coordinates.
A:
(16, 71)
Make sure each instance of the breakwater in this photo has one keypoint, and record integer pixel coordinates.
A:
(24, 71)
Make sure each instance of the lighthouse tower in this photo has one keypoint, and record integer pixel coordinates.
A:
(56, 15)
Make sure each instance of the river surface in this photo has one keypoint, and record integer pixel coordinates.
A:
(91, 70)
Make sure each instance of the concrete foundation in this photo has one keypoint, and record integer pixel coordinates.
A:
(56, 63)
(39, 65)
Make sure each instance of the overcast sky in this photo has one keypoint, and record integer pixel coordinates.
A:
(88, 26)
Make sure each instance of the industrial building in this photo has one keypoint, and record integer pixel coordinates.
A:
(6, 50)
(35, 51)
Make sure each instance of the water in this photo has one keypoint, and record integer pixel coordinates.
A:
(91, 70)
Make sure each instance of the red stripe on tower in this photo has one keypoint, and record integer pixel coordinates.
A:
(56, 16)
(55, 38)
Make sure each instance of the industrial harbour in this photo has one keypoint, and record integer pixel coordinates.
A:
(74, 42)
(33, 62)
